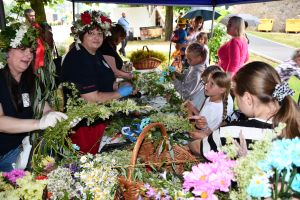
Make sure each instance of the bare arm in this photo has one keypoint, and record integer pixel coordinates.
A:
(14, 125)
(112, 63)
(100, 97)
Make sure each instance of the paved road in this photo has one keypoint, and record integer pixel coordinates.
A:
(272, 50)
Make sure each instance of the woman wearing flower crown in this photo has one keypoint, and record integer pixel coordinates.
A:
(86, 68)
(17, 94)
(263, 98)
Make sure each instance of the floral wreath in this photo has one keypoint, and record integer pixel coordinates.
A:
(14, 36)
(89, 20)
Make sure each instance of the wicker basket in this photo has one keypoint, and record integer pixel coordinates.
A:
(129, 190)
(147, 63)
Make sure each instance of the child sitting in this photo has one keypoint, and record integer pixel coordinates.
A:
(194, 107)
(262, 96)
(214, 111)
(202, 38)
(189, 83)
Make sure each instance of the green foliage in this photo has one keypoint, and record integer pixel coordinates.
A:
(215, 42)
(183, 9)
(151, 85)
(56, 138)
(173, 123)
(140, 55)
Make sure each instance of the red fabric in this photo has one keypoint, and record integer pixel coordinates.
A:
(40, 54)
(88, 138)
(233, 55)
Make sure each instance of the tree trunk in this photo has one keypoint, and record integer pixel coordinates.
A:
(168, 23)
(38, 7)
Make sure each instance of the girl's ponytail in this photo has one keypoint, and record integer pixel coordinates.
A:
(288, 114)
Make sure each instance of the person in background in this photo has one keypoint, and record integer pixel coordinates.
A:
(202, 38)
(234, 53)
(109, 51)
(265, 99)
(123, 22)
(189, 83)
(85, 66)
(246, 26)
(182, 41)
(29, 15)
(290, 67)
(17, 92)
(197, 24)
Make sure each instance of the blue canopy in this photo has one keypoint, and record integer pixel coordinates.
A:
(177, 2)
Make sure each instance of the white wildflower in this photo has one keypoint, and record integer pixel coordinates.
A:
(19, 36)
(83, 159)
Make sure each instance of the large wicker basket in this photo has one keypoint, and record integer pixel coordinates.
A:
(129, 190)
(147, 63)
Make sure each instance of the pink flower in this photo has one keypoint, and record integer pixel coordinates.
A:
(206, 178)
(14, 175)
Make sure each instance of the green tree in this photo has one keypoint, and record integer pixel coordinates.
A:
(37, 5)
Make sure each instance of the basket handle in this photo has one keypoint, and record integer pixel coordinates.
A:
(140, 141)
(145, 47)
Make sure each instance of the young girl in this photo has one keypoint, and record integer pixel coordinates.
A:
(214, 111)
(196, 105)
(189, 83)
(265, 99)
(202, 38)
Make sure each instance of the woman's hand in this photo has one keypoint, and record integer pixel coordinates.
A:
(125, 90)
(50, 119)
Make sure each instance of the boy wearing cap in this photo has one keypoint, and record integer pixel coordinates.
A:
(182, 42)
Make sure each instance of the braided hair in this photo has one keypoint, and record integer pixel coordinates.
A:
(223, 80)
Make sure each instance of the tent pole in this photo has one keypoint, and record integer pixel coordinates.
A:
(212, 22)
(73, 8)
(2, 15)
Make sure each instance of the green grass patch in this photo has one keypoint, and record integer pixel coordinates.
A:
(290, 39)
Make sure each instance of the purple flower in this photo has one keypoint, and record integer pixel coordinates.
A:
(147, 186)
(14, 175)
(151, 192)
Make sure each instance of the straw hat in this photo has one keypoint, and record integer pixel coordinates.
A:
(182, 21)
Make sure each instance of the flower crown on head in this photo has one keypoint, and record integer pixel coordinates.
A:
(90, 20)
(16, 35)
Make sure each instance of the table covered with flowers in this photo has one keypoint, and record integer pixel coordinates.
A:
(59, 171)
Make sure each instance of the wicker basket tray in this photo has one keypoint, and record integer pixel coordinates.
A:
(147, 63)
(129, 190)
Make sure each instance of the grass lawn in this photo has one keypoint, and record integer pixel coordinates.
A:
(291, 39)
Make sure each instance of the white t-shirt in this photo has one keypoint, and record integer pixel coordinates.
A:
(213, 113)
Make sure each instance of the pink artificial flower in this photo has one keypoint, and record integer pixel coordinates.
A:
(206, 178)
